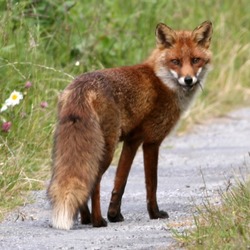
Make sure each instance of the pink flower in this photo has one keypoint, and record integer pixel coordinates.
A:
(44, 104)
(28, 85)
(6, 126)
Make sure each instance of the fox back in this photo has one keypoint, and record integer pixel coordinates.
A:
(137, 104)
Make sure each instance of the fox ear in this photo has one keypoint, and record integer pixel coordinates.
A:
(165, 36)
(203, 34)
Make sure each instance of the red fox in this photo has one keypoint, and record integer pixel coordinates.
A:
(138, 105)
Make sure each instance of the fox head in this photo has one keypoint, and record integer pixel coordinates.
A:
(182, 57)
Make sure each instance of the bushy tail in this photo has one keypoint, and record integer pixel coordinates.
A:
(78, 150)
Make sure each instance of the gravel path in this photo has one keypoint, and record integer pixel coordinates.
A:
(191, 167)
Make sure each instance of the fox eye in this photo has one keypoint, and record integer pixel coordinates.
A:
(195, 60)
(176, 62)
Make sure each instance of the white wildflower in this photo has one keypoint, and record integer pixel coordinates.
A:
(14, 98)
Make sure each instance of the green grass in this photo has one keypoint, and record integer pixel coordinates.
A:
(40, 42)
(221, 227)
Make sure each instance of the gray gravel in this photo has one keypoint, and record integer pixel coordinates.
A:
(191, 168)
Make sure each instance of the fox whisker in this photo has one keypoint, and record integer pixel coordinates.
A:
(199, 83)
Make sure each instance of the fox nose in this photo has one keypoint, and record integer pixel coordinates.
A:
(188, 80)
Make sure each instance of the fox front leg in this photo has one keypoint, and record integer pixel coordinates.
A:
(150, 153)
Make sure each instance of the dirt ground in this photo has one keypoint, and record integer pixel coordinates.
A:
(192, 168)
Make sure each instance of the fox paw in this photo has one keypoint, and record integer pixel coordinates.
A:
(159, 215)
(100, 223)
(115, 217)
(85, 220)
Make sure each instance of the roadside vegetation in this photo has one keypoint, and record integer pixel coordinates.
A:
(44, 44)
(226, 226)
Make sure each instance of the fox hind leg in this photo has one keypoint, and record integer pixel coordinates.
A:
(97, 219)
(96, 216)
(85, 214)
(128, 153)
